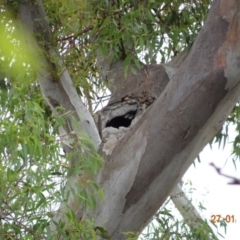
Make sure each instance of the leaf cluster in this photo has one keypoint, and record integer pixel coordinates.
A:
(127, 30)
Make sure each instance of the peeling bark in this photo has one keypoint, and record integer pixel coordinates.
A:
(139, 175)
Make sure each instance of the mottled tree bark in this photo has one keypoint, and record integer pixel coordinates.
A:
(174, 110)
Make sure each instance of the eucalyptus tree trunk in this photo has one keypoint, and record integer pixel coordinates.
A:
(156, 122)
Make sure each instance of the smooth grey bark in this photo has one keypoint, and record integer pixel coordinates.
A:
(185, 207)
(190, 104)
(58, 93)
(152, 157)
(189, 213)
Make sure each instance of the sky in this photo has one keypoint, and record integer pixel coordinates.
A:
(213, 190)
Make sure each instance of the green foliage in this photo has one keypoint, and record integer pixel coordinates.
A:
(233, 121)
(165, 225)
(75, 229)
(33, 169)
(15, 57)
(129, 30)
(30, 154)
(102, 232)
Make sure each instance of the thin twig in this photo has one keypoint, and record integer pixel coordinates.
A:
(235, 181)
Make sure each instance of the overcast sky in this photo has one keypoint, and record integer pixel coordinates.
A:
(213, 190)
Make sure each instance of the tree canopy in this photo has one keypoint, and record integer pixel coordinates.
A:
(73, 45)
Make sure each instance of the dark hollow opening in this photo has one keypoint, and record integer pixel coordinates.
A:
(122, 121)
